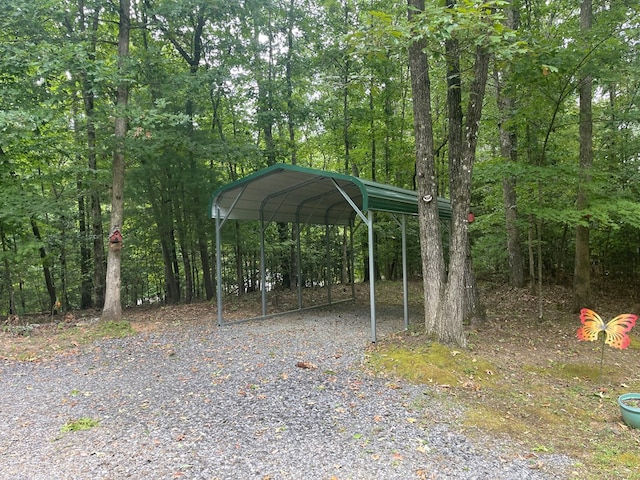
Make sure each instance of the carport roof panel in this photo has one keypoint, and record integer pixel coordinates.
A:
(286, 193)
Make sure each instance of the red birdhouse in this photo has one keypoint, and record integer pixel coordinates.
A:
(471, 217)
(115, 237)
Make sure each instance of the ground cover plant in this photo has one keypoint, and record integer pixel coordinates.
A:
(522, 380)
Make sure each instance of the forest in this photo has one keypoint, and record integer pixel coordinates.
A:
(200, 93)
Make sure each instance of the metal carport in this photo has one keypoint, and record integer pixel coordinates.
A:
(300, 195)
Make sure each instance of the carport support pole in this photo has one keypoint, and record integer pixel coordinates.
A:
(352, 263)
(328, 259)
(218, 267)
(405, 287)
(299, 264)
(372, 277)
(263, 268)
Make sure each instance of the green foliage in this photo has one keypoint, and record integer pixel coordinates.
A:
(328, 82)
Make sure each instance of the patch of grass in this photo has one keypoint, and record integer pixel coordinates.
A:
(114, 329)
(46, 342)
(18, 330)
(83, 423)
(434, 364)
(495, 421)
(562, 406)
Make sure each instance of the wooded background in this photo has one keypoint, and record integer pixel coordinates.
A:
(219, 89)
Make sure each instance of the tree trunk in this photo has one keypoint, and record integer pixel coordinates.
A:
(289, 81)
(184, 253)
(7, 273)
(582, 273)
(532, 258)
(171, 284)
(112, 306)
(48, 279)
(346, 118)
(86, 285)
(449, 327)
(89, 211)
(508, 150)
(458, 158)
(427, 182)
(99, 270)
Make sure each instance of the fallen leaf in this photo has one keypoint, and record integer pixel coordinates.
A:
(422, 474)
(306, 365)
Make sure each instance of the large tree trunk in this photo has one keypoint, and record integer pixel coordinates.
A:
(89, 210)
(449, 325)
(88, 97)
(508, 150)
(293, 148)
(470, 300)
(582, 273)
(112, 306)
(426, 182)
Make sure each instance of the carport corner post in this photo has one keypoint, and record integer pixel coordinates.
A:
(372, 278)
(218, 265)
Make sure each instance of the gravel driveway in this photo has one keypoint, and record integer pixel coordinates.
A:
(231, 403)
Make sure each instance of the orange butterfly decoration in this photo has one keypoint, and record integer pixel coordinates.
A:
(615, 330)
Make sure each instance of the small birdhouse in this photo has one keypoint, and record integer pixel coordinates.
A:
(115, 240)
(115, 237)
(471, 217)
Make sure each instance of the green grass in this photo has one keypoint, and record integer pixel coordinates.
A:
(46, 342)
(83, 423)
(564, 408)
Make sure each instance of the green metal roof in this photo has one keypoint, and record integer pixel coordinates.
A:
(289, 193)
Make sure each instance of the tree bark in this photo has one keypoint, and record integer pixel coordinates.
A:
(449, 326)
(112, 310)
(88, 98)
(433, 273)
(7, 273)
(48, 278)
(582, 272)
(508, 150)
(459, 157)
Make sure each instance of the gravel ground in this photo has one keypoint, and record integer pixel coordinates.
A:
(231, 403)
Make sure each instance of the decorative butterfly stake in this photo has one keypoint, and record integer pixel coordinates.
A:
(615, 331)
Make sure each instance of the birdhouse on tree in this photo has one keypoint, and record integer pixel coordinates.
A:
(115, 239)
